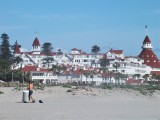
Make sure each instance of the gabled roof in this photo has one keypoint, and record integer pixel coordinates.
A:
(116, 51)
(80, 51)
(36, 42)
(146, 40)
(33, 69)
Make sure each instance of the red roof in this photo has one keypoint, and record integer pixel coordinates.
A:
(116, 51)
(16, 49)
(133, 81)
(33, 68)
(36, 42)
(146, 40)
(150, 58)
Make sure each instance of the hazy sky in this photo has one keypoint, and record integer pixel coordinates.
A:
(67, 24)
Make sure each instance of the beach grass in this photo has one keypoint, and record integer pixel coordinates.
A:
(143, 89)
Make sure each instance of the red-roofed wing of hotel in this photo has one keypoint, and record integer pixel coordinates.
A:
(150, 59)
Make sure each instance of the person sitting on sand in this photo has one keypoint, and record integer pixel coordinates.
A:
(30, 88)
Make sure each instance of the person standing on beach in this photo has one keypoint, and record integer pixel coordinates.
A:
(30, 88)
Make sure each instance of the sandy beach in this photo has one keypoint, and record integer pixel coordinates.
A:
(80, 104)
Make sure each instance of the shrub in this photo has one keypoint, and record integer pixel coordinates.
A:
(107, 87)
(40, 87)
(1, 92)
(67, 86)
(17, 88)
(69, 90)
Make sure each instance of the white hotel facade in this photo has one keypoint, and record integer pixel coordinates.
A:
(129, 65)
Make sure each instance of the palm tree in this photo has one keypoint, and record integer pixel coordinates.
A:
(25, 76)
(121, 76)
(95, 49)
(92, 72)
(116, 65)
(104, 63)
(104, 71)
(146, 76)
(110, 76)
(81, 72)
(86, 74)
(154, 77)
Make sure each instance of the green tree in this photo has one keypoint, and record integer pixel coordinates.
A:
(47, 60)
(95, 49)
(86, 74)
(154, 78)
(17, 60)
(116, 65)
(24, 76)
(59, 51)
(4, 69)
(158, 78)
(92, 73)
(47, 48)
(136, 76)
(81, 73)
(55, 69)
(146, 76)
(5, 48)
(104, 63)
(15, 44)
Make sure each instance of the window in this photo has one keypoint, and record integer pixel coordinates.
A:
(85, 60)
(123, 71)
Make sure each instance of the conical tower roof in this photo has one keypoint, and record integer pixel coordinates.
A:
(146, 40)
(16, 48)
(36, 42)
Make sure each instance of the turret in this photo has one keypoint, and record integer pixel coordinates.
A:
(147, 43)
(36, 48)
(16, 48)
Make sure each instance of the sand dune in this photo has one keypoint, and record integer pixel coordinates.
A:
(80, 104)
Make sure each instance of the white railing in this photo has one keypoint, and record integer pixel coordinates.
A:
(44, 77)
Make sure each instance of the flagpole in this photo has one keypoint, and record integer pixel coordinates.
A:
(146, 30)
